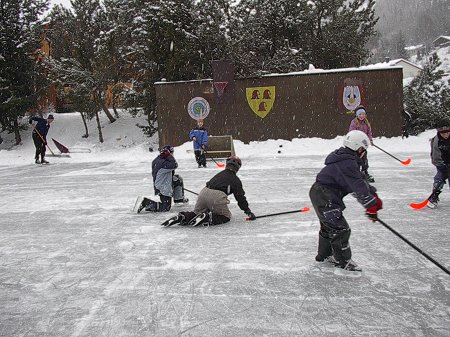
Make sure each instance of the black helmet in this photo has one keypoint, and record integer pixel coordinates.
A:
(234, 163)
(166, 151)
(168, 148)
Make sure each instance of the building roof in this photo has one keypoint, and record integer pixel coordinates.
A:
(397, 61)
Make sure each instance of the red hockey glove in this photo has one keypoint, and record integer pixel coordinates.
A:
(371, 212)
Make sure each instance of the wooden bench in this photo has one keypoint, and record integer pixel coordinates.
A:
(220, 147)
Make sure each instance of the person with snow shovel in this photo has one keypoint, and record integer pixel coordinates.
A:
(39, 135)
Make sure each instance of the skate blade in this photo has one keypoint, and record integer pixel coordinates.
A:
(347, 273)
(138, 202)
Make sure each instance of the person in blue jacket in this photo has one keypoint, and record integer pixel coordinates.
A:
(340, 177)
(39, 135)
(199, 137)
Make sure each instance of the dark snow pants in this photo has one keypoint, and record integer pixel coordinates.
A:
(200, 157)
(440, 177)
(40, 146)
(334, 231)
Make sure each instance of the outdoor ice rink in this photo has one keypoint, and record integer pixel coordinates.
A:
(75, 260)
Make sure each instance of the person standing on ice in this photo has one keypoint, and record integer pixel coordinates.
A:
(166, 183)
(341, 176)
(39, 135)
(361, 123)
(212, 203)
(199, 137)
(440, 157)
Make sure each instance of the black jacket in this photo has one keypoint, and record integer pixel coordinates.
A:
(342, 175)
(228, 182)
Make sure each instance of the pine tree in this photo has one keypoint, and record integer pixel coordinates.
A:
(20, 81)
(427, 100)
(79, 58)
(339, 31)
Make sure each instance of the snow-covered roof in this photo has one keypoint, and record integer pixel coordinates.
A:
(446, 37)
(310, 71)
(410, 48)
(397, 61)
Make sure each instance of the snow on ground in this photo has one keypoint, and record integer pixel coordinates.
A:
(76, 261)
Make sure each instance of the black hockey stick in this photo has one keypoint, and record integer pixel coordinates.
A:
(190, 191)
(404, 162)
(414, 246)
(304, 209)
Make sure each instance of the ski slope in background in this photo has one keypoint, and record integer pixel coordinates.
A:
(75, 261)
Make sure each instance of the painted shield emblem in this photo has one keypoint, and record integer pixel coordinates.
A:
(260, 99)
(198, 108)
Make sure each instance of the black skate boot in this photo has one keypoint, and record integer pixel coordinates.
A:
(433, 200)
(329, 260)
(349, 266)
(181, 201)
(144, 203)
(201, 219)
(176, 220)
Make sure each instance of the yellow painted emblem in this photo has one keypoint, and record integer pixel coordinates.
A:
(260, 99)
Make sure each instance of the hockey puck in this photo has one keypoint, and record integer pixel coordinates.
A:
(279, 151)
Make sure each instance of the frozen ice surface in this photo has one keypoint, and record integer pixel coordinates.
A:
(75, 261)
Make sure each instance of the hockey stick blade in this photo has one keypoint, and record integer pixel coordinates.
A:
(419, 205)
(406, 162)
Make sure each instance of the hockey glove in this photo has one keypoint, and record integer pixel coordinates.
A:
(371, 212)
(250, 214)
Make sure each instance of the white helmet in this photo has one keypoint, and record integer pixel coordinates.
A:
(356, 139)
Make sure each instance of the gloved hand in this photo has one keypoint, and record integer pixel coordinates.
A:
(250, 214)
(30, 121)
(371, 212)
(194, 139)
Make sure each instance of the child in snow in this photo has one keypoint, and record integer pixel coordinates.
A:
(212, 203)
(440, 157)
(361, 123)
(39, 135)
(339, 177)
(199, 137)
(166, 183)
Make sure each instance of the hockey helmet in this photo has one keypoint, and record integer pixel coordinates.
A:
(356, 139)
(443, 129)
(234, 163)
(166, 151)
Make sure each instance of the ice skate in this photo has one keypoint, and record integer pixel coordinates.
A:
(181, 201)
(201, 219)
(144, 203)
(327, 261)
(43, 161)
(347, 268)
(433, 200)
(176, 220)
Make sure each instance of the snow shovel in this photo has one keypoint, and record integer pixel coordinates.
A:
(64, 149)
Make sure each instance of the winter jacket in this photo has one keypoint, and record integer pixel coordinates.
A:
(228, 182)
(357, 124)
(440, 151)
(341, 174)
(162, 172)
(42, 127)
(201, 135)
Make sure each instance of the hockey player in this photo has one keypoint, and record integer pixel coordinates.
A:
(39, 135)
(341, 176)
(440, 157)
(166, 183)
(361, 123)
(199, 137)
(212, 203)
